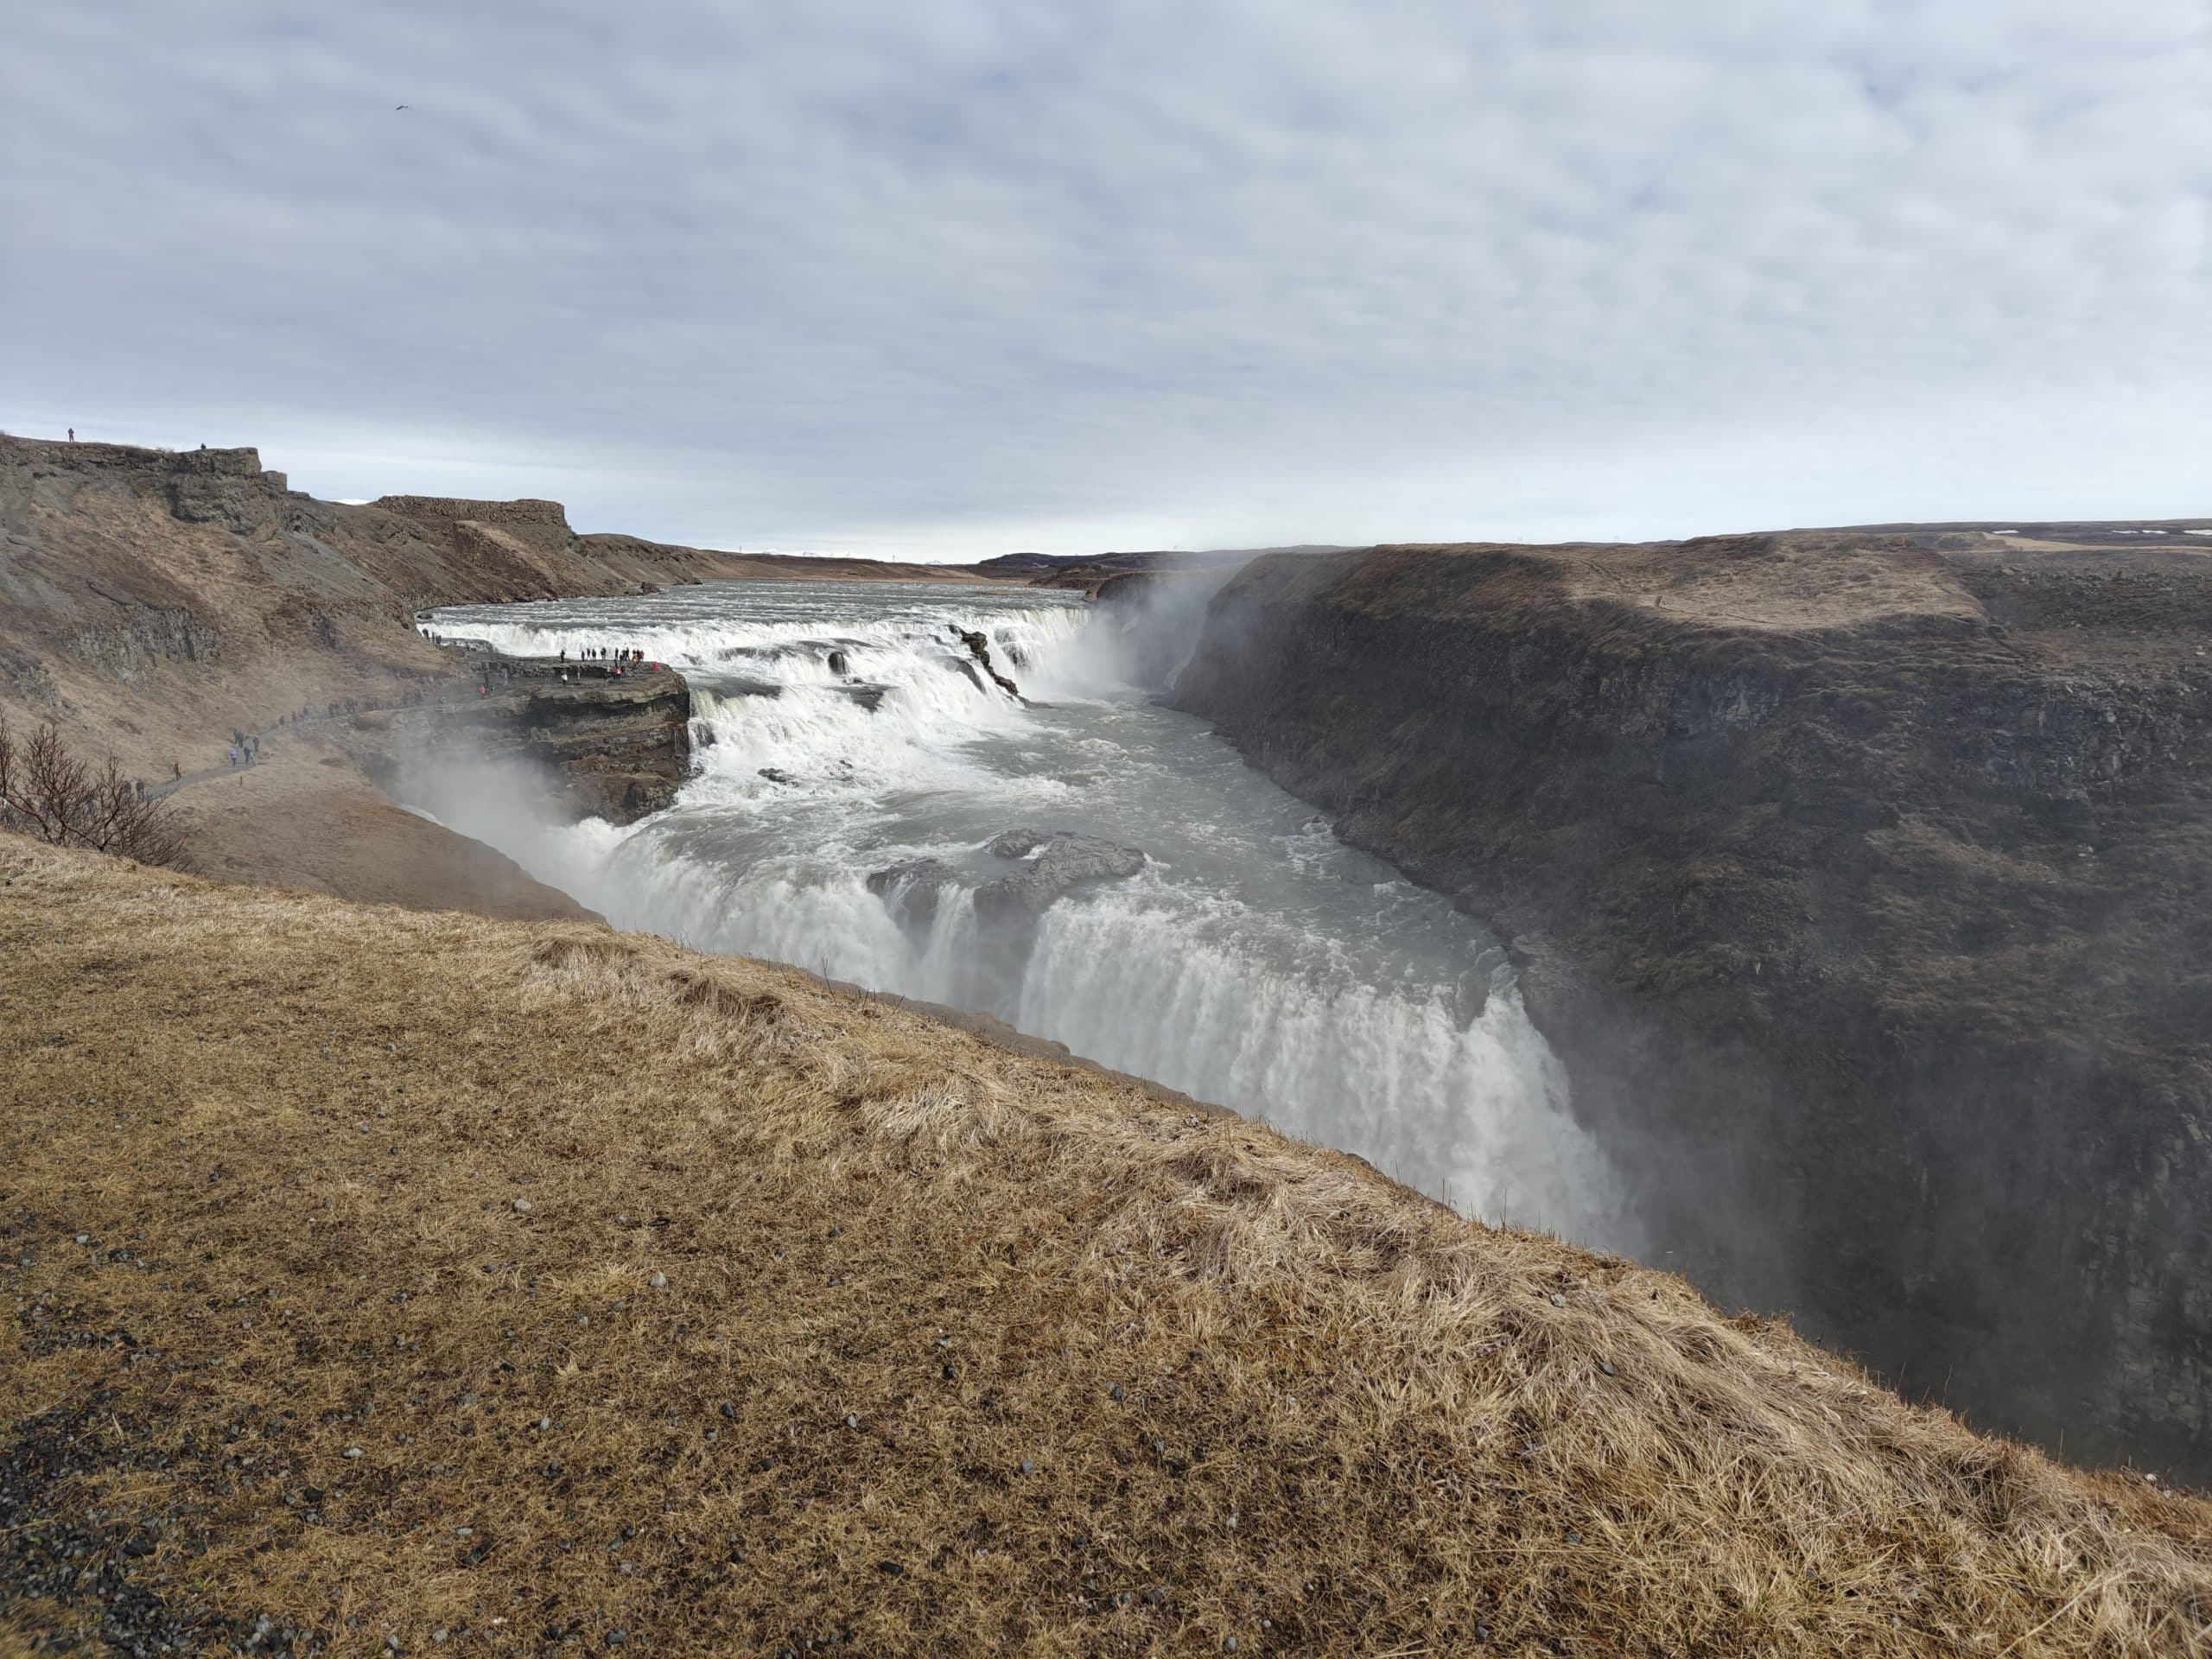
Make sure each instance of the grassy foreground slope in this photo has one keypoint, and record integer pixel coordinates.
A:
(378, 1273)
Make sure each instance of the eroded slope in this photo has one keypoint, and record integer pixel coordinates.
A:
(1863, 878)
(378, 1272)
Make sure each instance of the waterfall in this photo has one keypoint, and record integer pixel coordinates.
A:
(846, 729)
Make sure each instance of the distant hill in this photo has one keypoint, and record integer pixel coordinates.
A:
(1088, 570)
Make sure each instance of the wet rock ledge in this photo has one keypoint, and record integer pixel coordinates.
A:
(603, 747)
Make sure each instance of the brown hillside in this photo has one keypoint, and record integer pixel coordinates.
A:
(290, 823)
(153, 602)
(490, 1287)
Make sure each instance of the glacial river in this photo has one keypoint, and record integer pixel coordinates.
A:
(1255, 961)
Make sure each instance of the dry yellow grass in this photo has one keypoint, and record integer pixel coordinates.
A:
(958, 1351)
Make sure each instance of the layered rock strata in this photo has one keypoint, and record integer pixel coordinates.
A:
(1863, 881)
(1054, 863)
(153, 602)
(618, 749)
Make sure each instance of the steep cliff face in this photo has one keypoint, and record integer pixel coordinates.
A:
(1865, 882)
(598, 747)
(152, 602)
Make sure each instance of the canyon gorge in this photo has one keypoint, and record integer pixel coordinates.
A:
(1820, 915)
(1858, 879)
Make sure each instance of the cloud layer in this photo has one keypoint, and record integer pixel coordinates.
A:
(977, 274)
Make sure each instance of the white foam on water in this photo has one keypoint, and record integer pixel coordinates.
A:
(1469, 1110)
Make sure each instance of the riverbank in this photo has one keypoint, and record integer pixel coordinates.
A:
(487, 1286)
(158, 601)
(1860, 879)
(153, 603)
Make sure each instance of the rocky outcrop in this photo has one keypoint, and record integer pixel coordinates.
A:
(1020, 843)
(910, 889)
(618, 749)
(1053, 861)
(1865, 884)
(1130, 587)
(1057, 861)
(979, 647)
(526, 514)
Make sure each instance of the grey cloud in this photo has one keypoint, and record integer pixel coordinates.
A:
(987, 274)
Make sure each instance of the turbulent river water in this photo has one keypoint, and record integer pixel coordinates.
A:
(1254, 961)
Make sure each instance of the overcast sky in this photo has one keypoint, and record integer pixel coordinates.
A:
(974, 275)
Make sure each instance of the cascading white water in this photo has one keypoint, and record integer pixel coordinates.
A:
(1466, 1108)
(845, 729)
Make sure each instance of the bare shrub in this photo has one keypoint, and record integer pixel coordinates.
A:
(47, 791)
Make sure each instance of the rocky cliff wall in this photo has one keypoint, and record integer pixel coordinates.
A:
(242, 463)
(616, 749)
(1866, 891)
(526, 511)
(153, 602)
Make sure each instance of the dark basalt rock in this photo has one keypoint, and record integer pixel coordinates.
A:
(1020, 843)
(1062, 860)
(1863, 883)
(617, 749)
(911, 888)
(979, 647)
(839, 663)
(1130, 587)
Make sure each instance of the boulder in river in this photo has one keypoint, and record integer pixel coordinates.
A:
(1063, 860)
(839, 663)
(1020, 843)
(910, 889)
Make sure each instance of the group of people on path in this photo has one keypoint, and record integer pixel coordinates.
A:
(246, 746)
(616, 657)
